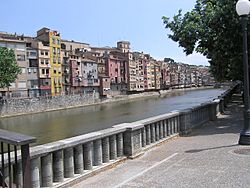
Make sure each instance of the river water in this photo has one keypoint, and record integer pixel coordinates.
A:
(57, 125)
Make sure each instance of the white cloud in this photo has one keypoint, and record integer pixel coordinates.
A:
(193, 59)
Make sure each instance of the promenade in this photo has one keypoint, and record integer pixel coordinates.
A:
(208, 157)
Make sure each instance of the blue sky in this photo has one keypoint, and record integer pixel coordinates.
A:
(101, 22)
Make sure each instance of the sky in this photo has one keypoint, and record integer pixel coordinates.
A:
(102, 23)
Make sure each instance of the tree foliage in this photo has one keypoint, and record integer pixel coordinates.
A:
(213, 29)
(9, 68)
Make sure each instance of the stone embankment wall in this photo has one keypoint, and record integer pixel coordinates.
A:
(13, 107)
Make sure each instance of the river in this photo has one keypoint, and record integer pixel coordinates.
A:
(57, 125)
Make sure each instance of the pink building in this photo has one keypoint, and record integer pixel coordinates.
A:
(113, 67)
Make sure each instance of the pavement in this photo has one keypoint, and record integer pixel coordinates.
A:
(208, 157)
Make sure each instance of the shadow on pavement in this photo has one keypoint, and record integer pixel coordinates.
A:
(205, 149)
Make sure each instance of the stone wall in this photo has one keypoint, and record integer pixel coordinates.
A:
(12, 107)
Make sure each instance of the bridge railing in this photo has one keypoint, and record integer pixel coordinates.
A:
(59, 163)
(15, 159)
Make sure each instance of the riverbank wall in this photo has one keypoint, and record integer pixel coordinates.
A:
(15, 107)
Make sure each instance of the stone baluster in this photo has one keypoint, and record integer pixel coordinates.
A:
(152, 130)
(58, 172)
(165, 131)
(119, 145)
(35, 176)
(78, 159)
(172, 126)
(46, 170)
(178, 124)
(17, 174)
(113, 147)
(157, 131)
(97, 152)
(68, 162)
(148, 135)
(105, 150)
(161, 129)
(88, 159)
(168, 127)
(175, 125)
(185, 121)
(143, 136)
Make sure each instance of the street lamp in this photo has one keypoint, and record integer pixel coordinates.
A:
(243, 9)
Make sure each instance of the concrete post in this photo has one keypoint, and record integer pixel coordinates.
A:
(172, 126)
(58, 173)
(133, 140)
(143, 136)
(35, 177)
(161, 129)
(157, 131)
(87, 151)
(221, 104)
(168, 127)
(18, 175)
(178, 124)
(148, 135)
(68, 162)
(212, 111)
(46, 170)
(165, 131)
(97, 152)
(113, 147)
(105, 150)
(119, 145)
(78, 159)
(175, 125)
(152, 130)
(185, 121)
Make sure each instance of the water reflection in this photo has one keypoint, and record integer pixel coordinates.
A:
(52, 126)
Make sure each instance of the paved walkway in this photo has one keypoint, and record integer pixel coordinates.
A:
(205, 158)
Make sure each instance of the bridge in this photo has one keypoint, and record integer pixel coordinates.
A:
(67, 162)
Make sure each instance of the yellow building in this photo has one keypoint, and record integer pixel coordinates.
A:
(56, 63)
(53, 40)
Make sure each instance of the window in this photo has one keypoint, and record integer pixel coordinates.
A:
(29, 70)
(43, 71)
(46, 53)
(32, 54)
(58, 42)
(58, 50)
(53, 41)
(47, 61)
(47, 71)
(59, 60)
(54, 50)
(34, 70)
(20, 57)
(54, 71)
(22, 84)
(42, 52)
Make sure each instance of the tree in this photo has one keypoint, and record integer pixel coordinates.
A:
(213, 29)
(9, 68)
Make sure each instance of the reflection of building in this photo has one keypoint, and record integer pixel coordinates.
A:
(19, 88)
